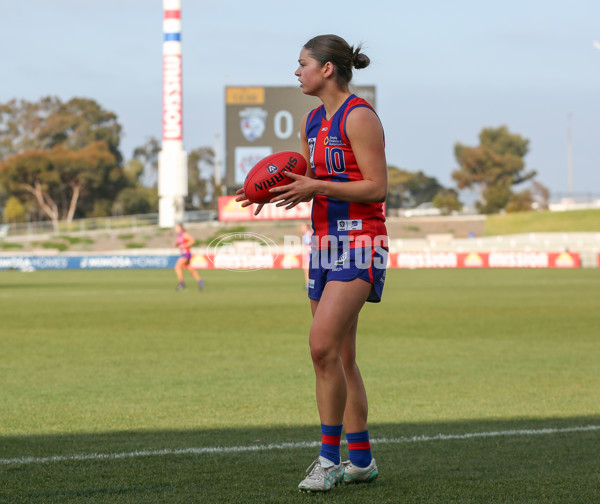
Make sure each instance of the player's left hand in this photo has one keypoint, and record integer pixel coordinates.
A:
(301, 189)
(241, 197)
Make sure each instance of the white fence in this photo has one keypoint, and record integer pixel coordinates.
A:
(97, 223)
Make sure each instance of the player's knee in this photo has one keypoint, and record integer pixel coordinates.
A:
(323, 355)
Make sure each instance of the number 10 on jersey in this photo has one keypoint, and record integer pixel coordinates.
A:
(334, 159)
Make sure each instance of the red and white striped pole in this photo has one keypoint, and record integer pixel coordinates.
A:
(172, 159)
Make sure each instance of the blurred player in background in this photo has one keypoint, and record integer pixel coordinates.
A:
(343, 144)
(184, 241)
(306, 247)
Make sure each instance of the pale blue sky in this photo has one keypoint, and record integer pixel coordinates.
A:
(443, 70)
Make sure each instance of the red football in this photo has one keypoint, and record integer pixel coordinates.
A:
(269, 173)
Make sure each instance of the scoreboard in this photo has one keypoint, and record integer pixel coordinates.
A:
(260, 120)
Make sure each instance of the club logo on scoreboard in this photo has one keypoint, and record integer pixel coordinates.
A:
(252, 122)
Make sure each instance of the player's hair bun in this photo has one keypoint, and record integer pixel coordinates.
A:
(359, 59)
(334, 49)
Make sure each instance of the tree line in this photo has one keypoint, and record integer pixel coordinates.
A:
(492, 169)
(61, 160)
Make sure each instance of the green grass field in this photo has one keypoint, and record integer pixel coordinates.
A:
(189, 397)
(572, 221)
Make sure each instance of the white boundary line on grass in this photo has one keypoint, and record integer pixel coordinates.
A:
(208, 450)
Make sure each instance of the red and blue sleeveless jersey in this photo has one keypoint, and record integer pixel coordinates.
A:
(181, 239)
(332, 159)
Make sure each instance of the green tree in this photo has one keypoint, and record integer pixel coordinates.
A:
(83, 171)
(447, 201)
(492, 167)
(62, 155)
(218, 190)
(143, 170)
(101, 208)
(147, 155)
(136, 200)
(21, 122)
(409, 189)
(199, 188)
(13, 210)
(56, 179)
(134, 170)
(50, 122)
(540, 195)
(520, 202)
(32, 175)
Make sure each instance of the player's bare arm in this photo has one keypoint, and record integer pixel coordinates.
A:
(305, 148)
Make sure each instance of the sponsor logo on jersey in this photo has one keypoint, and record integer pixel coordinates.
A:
(311, 284)
(252, 122)
(334, 141)
(325, 128)
(349, 225)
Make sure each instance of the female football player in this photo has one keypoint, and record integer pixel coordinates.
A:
(184, 241)
(343, 143)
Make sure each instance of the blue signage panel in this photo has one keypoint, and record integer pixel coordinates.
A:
(88, 262)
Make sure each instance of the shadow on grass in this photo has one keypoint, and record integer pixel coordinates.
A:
(526, 467)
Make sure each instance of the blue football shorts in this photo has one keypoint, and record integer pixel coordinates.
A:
(187, 256)
(347, 264)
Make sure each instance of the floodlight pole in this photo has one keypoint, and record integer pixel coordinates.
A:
(172, 159)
